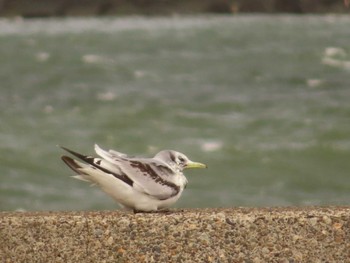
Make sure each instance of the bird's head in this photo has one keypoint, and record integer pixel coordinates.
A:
(178, 160)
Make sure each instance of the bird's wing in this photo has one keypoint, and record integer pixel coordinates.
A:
(148, 175)
(97, 163)
(119, 154)
(111, 153)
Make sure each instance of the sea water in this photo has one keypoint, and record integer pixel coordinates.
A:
(264, 101)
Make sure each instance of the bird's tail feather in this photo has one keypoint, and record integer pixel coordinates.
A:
(73, 164)
(79, 168)
(94, 162)
(94, 167)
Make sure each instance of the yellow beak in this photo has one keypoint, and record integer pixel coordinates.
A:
(191, 164)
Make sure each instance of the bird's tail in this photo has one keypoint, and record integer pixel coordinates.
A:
(79, 168)
(94, 168)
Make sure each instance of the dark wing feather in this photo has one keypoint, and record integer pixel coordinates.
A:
(91, 160)
(71, 164)
(151, 178)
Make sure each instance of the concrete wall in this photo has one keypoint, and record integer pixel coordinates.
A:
(203, 235)
(47, 8)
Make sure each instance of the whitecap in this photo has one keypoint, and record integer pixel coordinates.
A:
(211, 146)
(42, 56)
(106, 96)
(335, 57)
(334, 51)
(94, 59)
(313, 83)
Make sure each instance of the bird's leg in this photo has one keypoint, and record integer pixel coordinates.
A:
(162, 211)
(143, 212)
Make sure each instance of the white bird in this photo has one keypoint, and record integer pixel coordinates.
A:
(138, 184)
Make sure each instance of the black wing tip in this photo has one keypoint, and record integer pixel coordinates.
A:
(79, 155)
(75, 167)
(70, 162)
(62, 147)
(66, 158)
(66, 149)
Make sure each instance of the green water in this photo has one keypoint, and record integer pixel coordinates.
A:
(264, 101)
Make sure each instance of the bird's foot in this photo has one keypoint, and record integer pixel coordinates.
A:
(162, 211)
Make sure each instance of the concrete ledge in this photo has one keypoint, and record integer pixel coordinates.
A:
(48, 8)
(313, 234)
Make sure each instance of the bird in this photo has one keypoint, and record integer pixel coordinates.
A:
(135, 183)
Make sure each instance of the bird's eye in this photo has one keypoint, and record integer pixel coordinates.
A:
(181, 159)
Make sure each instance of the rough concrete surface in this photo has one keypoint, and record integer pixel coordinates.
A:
(58, 8)
(312, 234)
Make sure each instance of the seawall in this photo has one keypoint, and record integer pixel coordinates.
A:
(58, 8)
(311, 234)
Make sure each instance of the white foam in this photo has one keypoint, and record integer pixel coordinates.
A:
(313, 83)
(211, 146)
(48, 109)
(42, 56)
(334, 51)
(93, 59)
(335, 57)
(107, 25)
(106, 96)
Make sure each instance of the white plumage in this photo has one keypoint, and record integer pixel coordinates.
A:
(139, 184)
